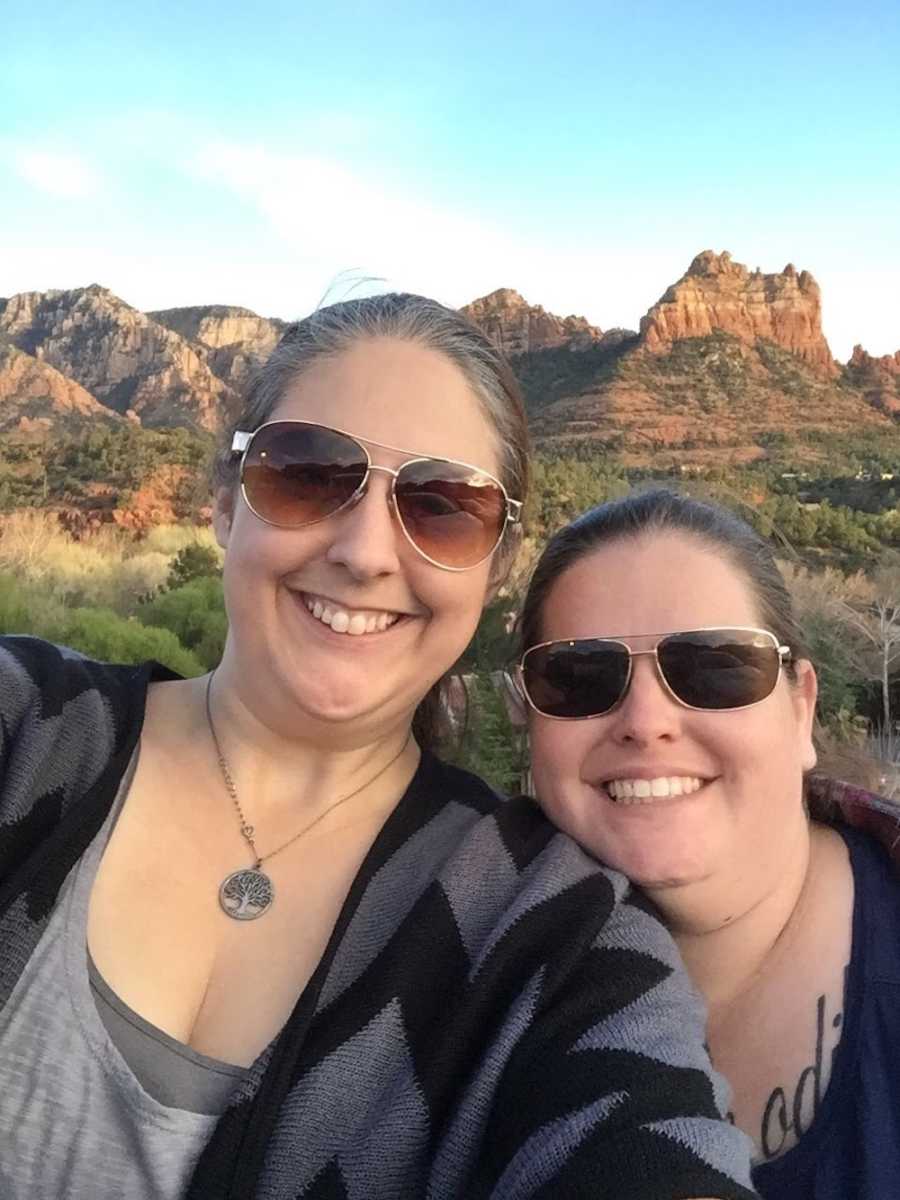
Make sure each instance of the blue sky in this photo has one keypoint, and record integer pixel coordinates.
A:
(582, 153)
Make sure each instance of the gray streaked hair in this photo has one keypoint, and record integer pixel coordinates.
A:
(331, 330)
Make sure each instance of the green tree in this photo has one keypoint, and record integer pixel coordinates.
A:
(195, 561)
(491, 647)
(195, 614)
(490, 746)
(14, 617)
(102, 634)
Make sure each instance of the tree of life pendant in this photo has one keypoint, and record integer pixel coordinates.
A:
(246, 894)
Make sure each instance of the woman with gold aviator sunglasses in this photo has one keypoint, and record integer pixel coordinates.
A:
(684, 759)
(258, 940)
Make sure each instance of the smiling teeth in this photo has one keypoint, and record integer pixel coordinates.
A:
(354, 623)
(645, 791)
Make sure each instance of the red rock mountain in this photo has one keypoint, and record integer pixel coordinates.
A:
(236, 340)
(34, 396)
(879, 378)
(518, 327)
(717, 293)
(127, 361)
(728, 363)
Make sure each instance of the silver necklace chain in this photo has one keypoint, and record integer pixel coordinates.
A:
(246, 894)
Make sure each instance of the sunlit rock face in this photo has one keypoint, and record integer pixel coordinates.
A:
(716, 293)
(127, 361)
(878, 378)
(518, 327)
(35, 396)
(236, 341)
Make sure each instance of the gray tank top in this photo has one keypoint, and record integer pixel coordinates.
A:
(171, 1072)
(76, 1120)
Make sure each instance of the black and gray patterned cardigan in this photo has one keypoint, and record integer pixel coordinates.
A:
(495, 1015)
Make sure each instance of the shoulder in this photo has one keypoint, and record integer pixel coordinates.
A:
(514, 882)
(848, 807)
(603, 1007)
(49, 682)
(874, 857)
(513, 854)
(62, 718)
(47, 667)
(876, 906)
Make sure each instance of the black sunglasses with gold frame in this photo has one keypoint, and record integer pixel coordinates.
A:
(718, 669)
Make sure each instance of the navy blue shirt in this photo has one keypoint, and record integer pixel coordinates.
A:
(852, 1149)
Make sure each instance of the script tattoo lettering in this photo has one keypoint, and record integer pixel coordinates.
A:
(784, 1114)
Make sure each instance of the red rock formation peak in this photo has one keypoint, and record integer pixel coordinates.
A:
(518, 327)
(717, 293)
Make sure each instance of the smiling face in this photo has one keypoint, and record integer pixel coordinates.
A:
(739, 772)
(343, 621)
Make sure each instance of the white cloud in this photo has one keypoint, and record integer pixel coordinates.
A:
(296, 222)
(329, 213)
(58, 174)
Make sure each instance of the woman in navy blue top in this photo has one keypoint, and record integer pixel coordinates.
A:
(672, 704)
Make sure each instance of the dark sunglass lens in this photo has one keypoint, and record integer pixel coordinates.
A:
(726, 668)
(452, 514)
(296, 474)
(576, 679)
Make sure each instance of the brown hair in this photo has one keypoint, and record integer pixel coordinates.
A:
(328, 332)
(665, 511)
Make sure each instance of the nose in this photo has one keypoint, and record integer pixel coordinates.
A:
(364, 538)
(648, 713)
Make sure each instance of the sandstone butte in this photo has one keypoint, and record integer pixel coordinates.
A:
(518, 327)
(879, 378)
(716, 293)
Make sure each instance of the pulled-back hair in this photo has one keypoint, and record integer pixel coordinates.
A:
(330, 331)
(664, 511)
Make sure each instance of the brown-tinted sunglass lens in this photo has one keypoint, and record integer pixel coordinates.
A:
(452, 514)
(583, 678)
(295, 475)
(717, 669)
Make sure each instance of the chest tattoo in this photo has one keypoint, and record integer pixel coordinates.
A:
(789, 1111)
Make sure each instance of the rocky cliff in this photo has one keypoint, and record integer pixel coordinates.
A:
(877, 378)
(518, 327)
(728, 363)
(716, 293)
(129, 362)
(236, 340)
(35, 397)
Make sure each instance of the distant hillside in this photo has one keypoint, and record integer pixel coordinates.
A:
(236, 340)
(710, 400)
(877, 378)
(518, 327)
(35, 397)
(128, 362)
(728, 364)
